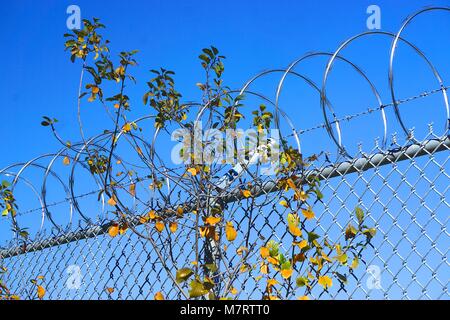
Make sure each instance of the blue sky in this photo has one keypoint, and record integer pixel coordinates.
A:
(37, 77)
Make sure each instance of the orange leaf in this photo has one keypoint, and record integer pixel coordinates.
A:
(113, 230)
(159, 296)
(40, 292)
(286, 273)
(110, 290)
(159, 226)
(246, 193)
(192, 171)
(309, 214)
(264, 252)
(303, 298)
(66, 161)
(173, 226)
(112, 202)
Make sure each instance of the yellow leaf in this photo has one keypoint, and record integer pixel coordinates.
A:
(40, 292)
(195, 263)
(355, 263)
(303, 298)
(295, 231)
(325, 282)
(291, 184)
(286, 273)
(112, 202)
(309, 214)
(173, 226)
(126, 127)
(302, 244)
(192, 171)
(284, 203)
(301, 195)
(293, 222)
(241, 250)
(234, 291)
(264, 252)
(123, 228)
(95, 90)
(230, 232)
(180, 210)
(159, 296)
(264, 268)
(246, 193)
(159, 226)
(212, 221)
(113, 230)
(132, 190)
(66, 161)
(271, 282)
(272, 260)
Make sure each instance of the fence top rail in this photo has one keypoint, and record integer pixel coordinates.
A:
(360, 164)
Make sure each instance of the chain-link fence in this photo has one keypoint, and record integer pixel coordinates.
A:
(404, 193)
(67, 246)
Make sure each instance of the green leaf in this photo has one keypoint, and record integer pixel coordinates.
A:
(302, 281)
(197, 289)
(312, 236)
(359, 214)
(211, 267)
(341, 277)
(183, 274)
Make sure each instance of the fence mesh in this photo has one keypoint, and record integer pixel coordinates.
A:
(404, 193)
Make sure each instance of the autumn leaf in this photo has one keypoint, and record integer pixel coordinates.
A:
(159, 226)
(173, 226)
(293, 225)
(132, 190)
(284, 203)
(350, 232)
(355, 263)
(126, 127)
(325, 281)
(246, 193)
(192, 171)
(308, 214)
(66, 161)
(113, 230)
(152, 215)
(264, 268)
(112, 202)
(197, 289)
(230, 232)
(212, 221)
(110, 290)
(234, 291)
(303, 298)
(159, 296)
(40, 292)
(286, 273)
(264, 252)
(183, 274)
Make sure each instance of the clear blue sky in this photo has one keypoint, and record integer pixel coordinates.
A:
(37, 77)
